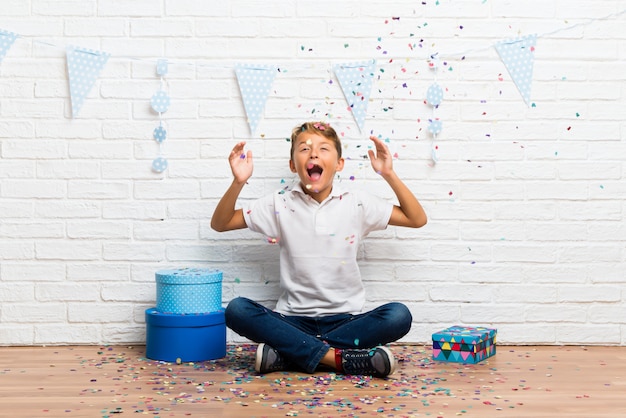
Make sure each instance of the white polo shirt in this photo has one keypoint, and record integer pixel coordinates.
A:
(318, 243)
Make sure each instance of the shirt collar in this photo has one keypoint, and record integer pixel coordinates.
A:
(337, 190)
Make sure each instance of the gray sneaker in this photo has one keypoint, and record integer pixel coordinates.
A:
(378, 362)
(268, 360)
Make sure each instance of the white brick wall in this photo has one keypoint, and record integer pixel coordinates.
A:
(526, 205)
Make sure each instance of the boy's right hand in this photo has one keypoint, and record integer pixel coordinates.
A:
(241, 162)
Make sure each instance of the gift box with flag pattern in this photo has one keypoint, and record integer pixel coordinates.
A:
(462, 344)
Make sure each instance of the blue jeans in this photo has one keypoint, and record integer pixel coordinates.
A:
(303, 341)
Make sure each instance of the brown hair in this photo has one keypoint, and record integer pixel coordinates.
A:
(320, 128)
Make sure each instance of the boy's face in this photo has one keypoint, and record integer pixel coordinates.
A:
(316, 161)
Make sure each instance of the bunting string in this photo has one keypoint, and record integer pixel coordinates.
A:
(304, 64)
(355, 78)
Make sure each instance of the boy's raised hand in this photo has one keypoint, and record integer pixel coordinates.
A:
(408, 211)
(241, 162)
(382, 161)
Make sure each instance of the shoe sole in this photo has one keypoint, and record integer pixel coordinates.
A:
(259, 357)
(392, 360)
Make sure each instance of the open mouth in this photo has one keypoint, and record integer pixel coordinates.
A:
(314, 171)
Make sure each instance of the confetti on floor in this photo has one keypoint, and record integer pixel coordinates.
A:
(120, 381)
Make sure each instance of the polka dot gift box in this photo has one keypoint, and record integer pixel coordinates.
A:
(189, 308)
(189, 291)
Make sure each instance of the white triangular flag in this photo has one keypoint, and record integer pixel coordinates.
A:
(6, 40)
(255, 84)
(83, 68)
(356, 80)
(518, 58)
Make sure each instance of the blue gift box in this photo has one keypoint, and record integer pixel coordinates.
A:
(462, 344)
(189, 290)
(181, 338)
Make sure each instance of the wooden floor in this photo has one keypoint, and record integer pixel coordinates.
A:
(120, 381)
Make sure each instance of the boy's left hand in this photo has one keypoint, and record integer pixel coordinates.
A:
(382, 161)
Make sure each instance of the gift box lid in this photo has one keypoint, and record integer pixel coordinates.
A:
(189, 276)
(465, 335)
(164, 319)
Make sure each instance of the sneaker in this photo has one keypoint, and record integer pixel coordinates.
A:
(268, 360)
(377, 362)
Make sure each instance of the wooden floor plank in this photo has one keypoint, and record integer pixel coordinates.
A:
(87, 381)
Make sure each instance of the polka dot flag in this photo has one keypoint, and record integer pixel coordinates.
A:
(255, 84)
(83, 67)
(518, 58)
(6, 40)
(356, 82)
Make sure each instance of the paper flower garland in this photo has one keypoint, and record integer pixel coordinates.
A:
(434, 97)
(160, 103)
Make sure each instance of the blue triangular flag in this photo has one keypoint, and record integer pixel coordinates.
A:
(255, 84)
(518, 58)
(6, 40)
(83, 68)
(356, 82)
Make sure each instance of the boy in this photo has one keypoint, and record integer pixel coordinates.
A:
(318, 320)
